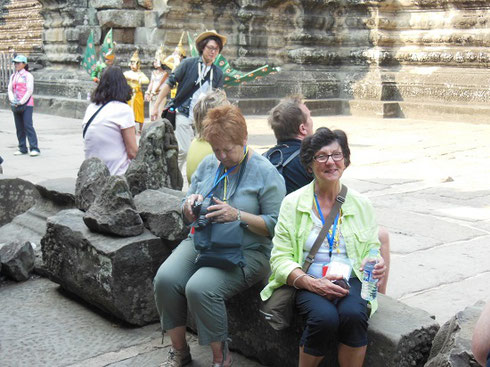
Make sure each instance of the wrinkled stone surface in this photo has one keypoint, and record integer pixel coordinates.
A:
(113, 211)
(156, 164)
(161, 213)
(399, 335)
(91, 178)
(112, 273)
(452, 344)
(17, 260)
(16, 197)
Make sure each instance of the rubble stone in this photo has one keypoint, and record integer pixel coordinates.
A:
(91, 178)
(113, 211)
(17, 260)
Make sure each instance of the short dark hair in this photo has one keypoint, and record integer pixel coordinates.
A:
(323, 136)
(200, 46)
(286, 118)
(112, 87)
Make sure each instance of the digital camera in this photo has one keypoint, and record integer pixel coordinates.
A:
(200, 209)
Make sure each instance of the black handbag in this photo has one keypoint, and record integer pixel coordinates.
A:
(278, 310)
(169, 113)
(19, 108)
(220, 244)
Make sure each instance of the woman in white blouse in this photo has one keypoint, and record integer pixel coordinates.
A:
(111, 134)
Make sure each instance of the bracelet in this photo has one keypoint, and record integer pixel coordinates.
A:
(298, 277)
(238, 215)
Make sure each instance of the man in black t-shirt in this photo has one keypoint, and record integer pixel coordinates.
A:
(291, 122)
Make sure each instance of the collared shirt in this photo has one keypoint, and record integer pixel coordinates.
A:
(359, 229)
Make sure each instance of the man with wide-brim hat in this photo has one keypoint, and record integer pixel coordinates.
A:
(194, 76)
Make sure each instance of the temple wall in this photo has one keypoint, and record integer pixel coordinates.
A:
(357, 55)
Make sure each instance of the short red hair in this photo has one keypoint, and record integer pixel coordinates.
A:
(225, 123)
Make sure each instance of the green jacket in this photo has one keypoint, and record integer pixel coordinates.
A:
(359, 229)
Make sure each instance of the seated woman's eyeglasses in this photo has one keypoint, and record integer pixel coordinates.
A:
(322, 158)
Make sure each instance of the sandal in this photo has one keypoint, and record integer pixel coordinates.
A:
(226, 352)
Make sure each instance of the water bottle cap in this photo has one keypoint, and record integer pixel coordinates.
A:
(374, 252)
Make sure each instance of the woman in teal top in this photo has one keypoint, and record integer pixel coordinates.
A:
(251, 191)
(331, 311)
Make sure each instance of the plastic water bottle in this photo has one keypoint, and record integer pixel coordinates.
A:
(369, 289)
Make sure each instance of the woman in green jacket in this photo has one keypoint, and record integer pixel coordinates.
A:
(331, 311)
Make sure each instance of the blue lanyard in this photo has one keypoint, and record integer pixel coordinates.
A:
(218, 179)
(330, 238)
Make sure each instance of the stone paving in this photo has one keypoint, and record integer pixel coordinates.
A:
(428, 181)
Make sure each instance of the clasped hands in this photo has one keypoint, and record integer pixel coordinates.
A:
(218, 212)
(326, 288)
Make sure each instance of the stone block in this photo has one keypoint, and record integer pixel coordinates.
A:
(17, 260)
(124, 35)
(72, 34)
(452, 344)
(152, 19)
(121, 18)
(112, 273)
(106, 4)
(92, 176)
(16, 197)
(147, 4)
(54, 35)
(161, 214)
(399, 335)
(60, 191)
(113, 211)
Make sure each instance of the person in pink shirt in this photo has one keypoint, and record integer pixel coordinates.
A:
(20, 89)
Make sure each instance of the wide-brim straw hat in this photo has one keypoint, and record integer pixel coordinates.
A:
(207, 34)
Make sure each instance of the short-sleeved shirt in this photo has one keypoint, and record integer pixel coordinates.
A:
(295, 175)
(103, 138)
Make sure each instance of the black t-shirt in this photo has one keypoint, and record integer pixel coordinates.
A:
(294, 173)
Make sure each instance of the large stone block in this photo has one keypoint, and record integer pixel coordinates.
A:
(452, 344)
(399, 335)
(114, 274)
(121, 18)
(16, 197)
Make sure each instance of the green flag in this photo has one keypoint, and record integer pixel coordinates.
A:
(107, 47)
(233, 76)
(192, 45)
(89, 58)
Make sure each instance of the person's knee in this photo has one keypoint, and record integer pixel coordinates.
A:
(196, 294)
(164, 280)
(323, 322)
(353, 318)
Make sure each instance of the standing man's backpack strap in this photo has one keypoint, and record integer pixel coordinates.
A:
(282, 163)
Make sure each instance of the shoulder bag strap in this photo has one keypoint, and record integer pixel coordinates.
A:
(328, 223)
(91, 119)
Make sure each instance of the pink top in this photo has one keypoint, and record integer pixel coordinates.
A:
(104, 139)
(21, 87)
